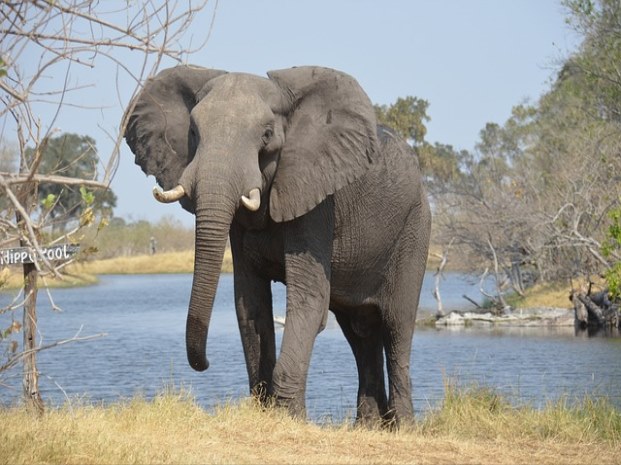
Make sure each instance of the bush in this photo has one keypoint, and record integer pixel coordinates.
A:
(611, 250)
(121, 238)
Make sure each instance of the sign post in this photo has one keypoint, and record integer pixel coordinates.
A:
(24, 255)
(27, 257)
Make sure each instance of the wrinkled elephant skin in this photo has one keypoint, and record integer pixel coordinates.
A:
(312, 193)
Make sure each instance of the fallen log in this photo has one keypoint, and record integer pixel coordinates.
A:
(595, 310)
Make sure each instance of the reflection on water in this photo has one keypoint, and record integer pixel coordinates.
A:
(598, 331)
(144, 350)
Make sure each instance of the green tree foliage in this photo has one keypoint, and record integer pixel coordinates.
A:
(442, 164)
(612, 251)
(407, 116)
(538, 191)
(599, 21)
(75, 156)
(122, 238)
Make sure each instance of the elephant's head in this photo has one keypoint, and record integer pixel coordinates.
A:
(219, 142)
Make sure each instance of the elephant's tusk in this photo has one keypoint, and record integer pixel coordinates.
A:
(253, 202)
(172, 195)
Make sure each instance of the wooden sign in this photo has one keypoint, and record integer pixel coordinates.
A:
(55, 253)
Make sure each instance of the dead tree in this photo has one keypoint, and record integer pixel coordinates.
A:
(41, 42)
(595, 310)
(438, 277)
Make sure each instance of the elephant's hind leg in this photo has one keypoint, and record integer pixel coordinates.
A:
(398, 345)
(400, 304)
(361, 328)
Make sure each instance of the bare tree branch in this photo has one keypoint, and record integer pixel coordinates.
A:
(15, 359)
(46, 49)
(12, 179)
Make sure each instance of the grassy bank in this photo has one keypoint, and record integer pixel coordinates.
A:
(170, 262)
(85, 273)
(473, 427)
(543, 295)
(11, 278)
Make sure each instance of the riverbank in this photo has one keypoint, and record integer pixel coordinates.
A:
(86, 272)
(471, 427)
(11, 278)
(532, 316)
(160, 263)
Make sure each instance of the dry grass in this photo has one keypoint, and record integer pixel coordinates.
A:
(170, 262)
(554, 294)
(544, 295)
(85, 273)
(11, 278)
(473, 427)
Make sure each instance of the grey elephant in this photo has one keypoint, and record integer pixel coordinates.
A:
(313, 194)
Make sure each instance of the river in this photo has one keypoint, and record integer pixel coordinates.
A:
(143, 351)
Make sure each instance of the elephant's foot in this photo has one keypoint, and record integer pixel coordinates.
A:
(294, 406)
(388, 419)
(262, 393)
(401, 417)
(371, 414)
(401, 423)
(370, 422)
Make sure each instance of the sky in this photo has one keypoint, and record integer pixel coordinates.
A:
(472, 60)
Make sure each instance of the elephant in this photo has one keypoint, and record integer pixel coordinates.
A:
(295, 171)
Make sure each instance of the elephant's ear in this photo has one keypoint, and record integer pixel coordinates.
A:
(330, 140)
(158, 122)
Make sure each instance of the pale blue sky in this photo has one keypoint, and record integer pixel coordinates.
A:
(471, 59)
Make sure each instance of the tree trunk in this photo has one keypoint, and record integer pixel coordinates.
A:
(595, 310)
(438, 277)
(32, 396)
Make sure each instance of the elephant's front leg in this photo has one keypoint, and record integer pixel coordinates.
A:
(253, 303)
(308, 249)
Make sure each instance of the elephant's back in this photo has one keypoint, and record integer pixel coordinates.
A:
(381, 200)
(371, 215)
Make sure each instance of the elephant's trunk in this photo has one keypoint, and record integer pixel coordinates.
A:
(214, 213)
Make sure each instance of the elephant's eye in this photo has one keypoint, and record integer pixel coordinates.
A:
(267, 135)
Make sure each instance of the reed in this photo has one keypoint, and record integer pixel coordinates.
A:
(481, 413)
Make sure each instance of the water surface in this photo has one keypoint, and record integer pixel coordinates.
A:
(144, 350)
